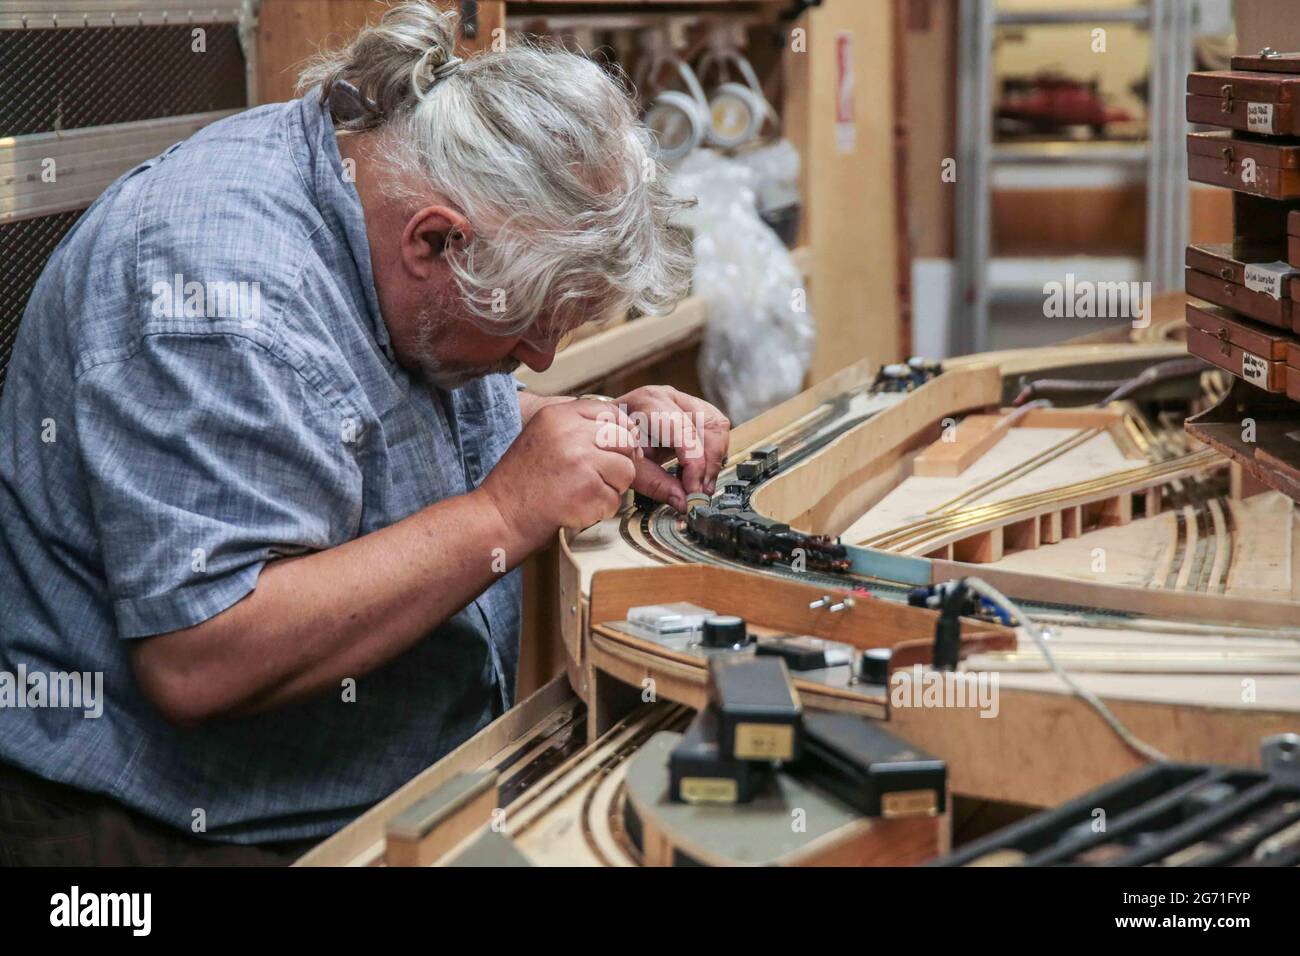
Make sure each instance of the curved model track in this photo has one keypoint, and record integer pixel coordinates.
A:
(1201, 562)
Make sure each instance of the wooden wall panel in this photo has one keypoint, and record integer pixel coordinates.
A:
(930, 45)
(850, 196)
(292, 31)
(1262, 23)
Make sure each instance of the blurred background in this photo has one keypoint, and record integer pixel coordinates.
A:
(880, 178)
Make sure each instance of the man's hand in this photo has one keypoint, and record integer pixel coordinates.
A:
(680, 426)
(568, 468)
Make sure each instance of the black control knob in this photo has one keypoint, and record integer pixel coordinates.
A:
(874, 668)
(724, 630)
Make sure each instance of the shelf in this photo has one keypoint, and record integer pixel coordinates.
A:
(1080, 154)
(1021, 276)
(1033, 18)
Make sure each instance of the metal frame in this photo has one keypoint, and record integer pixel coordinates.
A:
(53, 14)
(1169, 22)
(968, 323)
(86, 161)
(1168, 216)
(89, 159)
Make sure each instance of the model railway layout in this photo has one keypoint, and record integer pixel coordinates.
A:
(729, 532)
(1165, 650)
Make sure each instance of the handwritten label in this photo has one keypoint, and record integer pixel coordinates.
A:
(1254, 369)
(1268, 277)
(1259, 117)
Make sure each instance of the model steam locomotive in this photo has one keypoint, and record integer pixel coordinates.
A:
(751, 537)
(726, 525)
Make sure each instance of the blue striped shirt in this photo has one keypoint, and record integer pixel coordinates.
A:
(203, 382)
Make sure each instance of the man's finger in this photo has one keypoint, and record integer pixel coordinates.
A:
(605, 413)
(617, 471)
(608, 435)
(690, 451)
(716, 435)
(654, 481)
(712, 433)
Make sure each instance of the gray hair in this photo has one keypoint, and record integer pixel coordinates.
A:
(542, 151)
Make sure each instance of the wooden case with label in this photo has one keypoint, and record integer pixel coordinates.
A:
(1252, 352)
(1253, 289)
(1244, 163)
(1267, 61)
(1293, 237)
(1293, 371)
(1246, 100)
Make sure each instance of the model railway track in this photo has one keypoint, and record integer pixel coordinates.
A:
(655, 533)
(1202, 552)
(1004, 478)
(918, 535)
(658, 534)
(584, 788)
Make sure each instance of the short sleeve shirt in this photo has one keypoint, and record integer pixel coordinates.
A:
(202, 383)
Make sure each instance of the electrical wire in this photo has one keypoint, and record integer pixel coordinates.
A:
(1036, 631)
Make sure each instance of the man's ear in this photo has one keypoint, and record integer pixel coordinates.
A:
(428, 234)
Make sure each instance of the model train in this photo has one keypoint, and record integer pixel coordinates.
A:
(751, 537)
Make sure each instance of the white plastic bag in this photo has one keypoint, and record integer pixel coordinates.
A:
(759, 337)
(776, 166)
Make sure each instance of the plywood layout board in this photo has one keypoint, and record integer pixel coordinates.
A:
(1149, 552)
(914, 496)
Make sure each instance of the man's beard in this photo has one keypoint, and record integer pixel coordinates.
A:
(430, 326)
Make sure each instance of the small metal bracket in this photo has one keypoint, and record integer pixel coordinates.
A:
(1224, 343)
(469, 19)
(1280, 752)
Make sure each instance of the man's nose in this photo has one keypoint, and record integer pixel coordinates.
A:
(537, 359)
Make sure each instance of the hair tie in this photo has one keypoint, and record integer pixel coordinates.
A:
(447, 68)
(441, 72)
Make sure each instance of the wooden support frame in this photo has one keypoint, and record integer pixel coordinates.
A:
(617, 667)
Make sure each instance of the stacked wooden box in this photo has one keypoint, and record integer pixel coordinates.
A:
(1246, 314)
(1252, 327)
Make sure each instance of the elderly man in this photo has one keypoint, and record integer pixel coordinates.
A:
(263, 470)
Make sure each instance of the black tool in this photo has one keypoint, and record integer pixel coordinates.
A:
(699, 773)
(869, 768)
(759, 714)
(804, 653)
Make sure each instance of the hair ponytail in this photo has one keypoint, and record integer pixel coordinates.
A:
(389, 67)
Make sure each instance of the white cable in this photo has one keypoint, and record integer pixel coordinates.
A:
(1035, 630)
